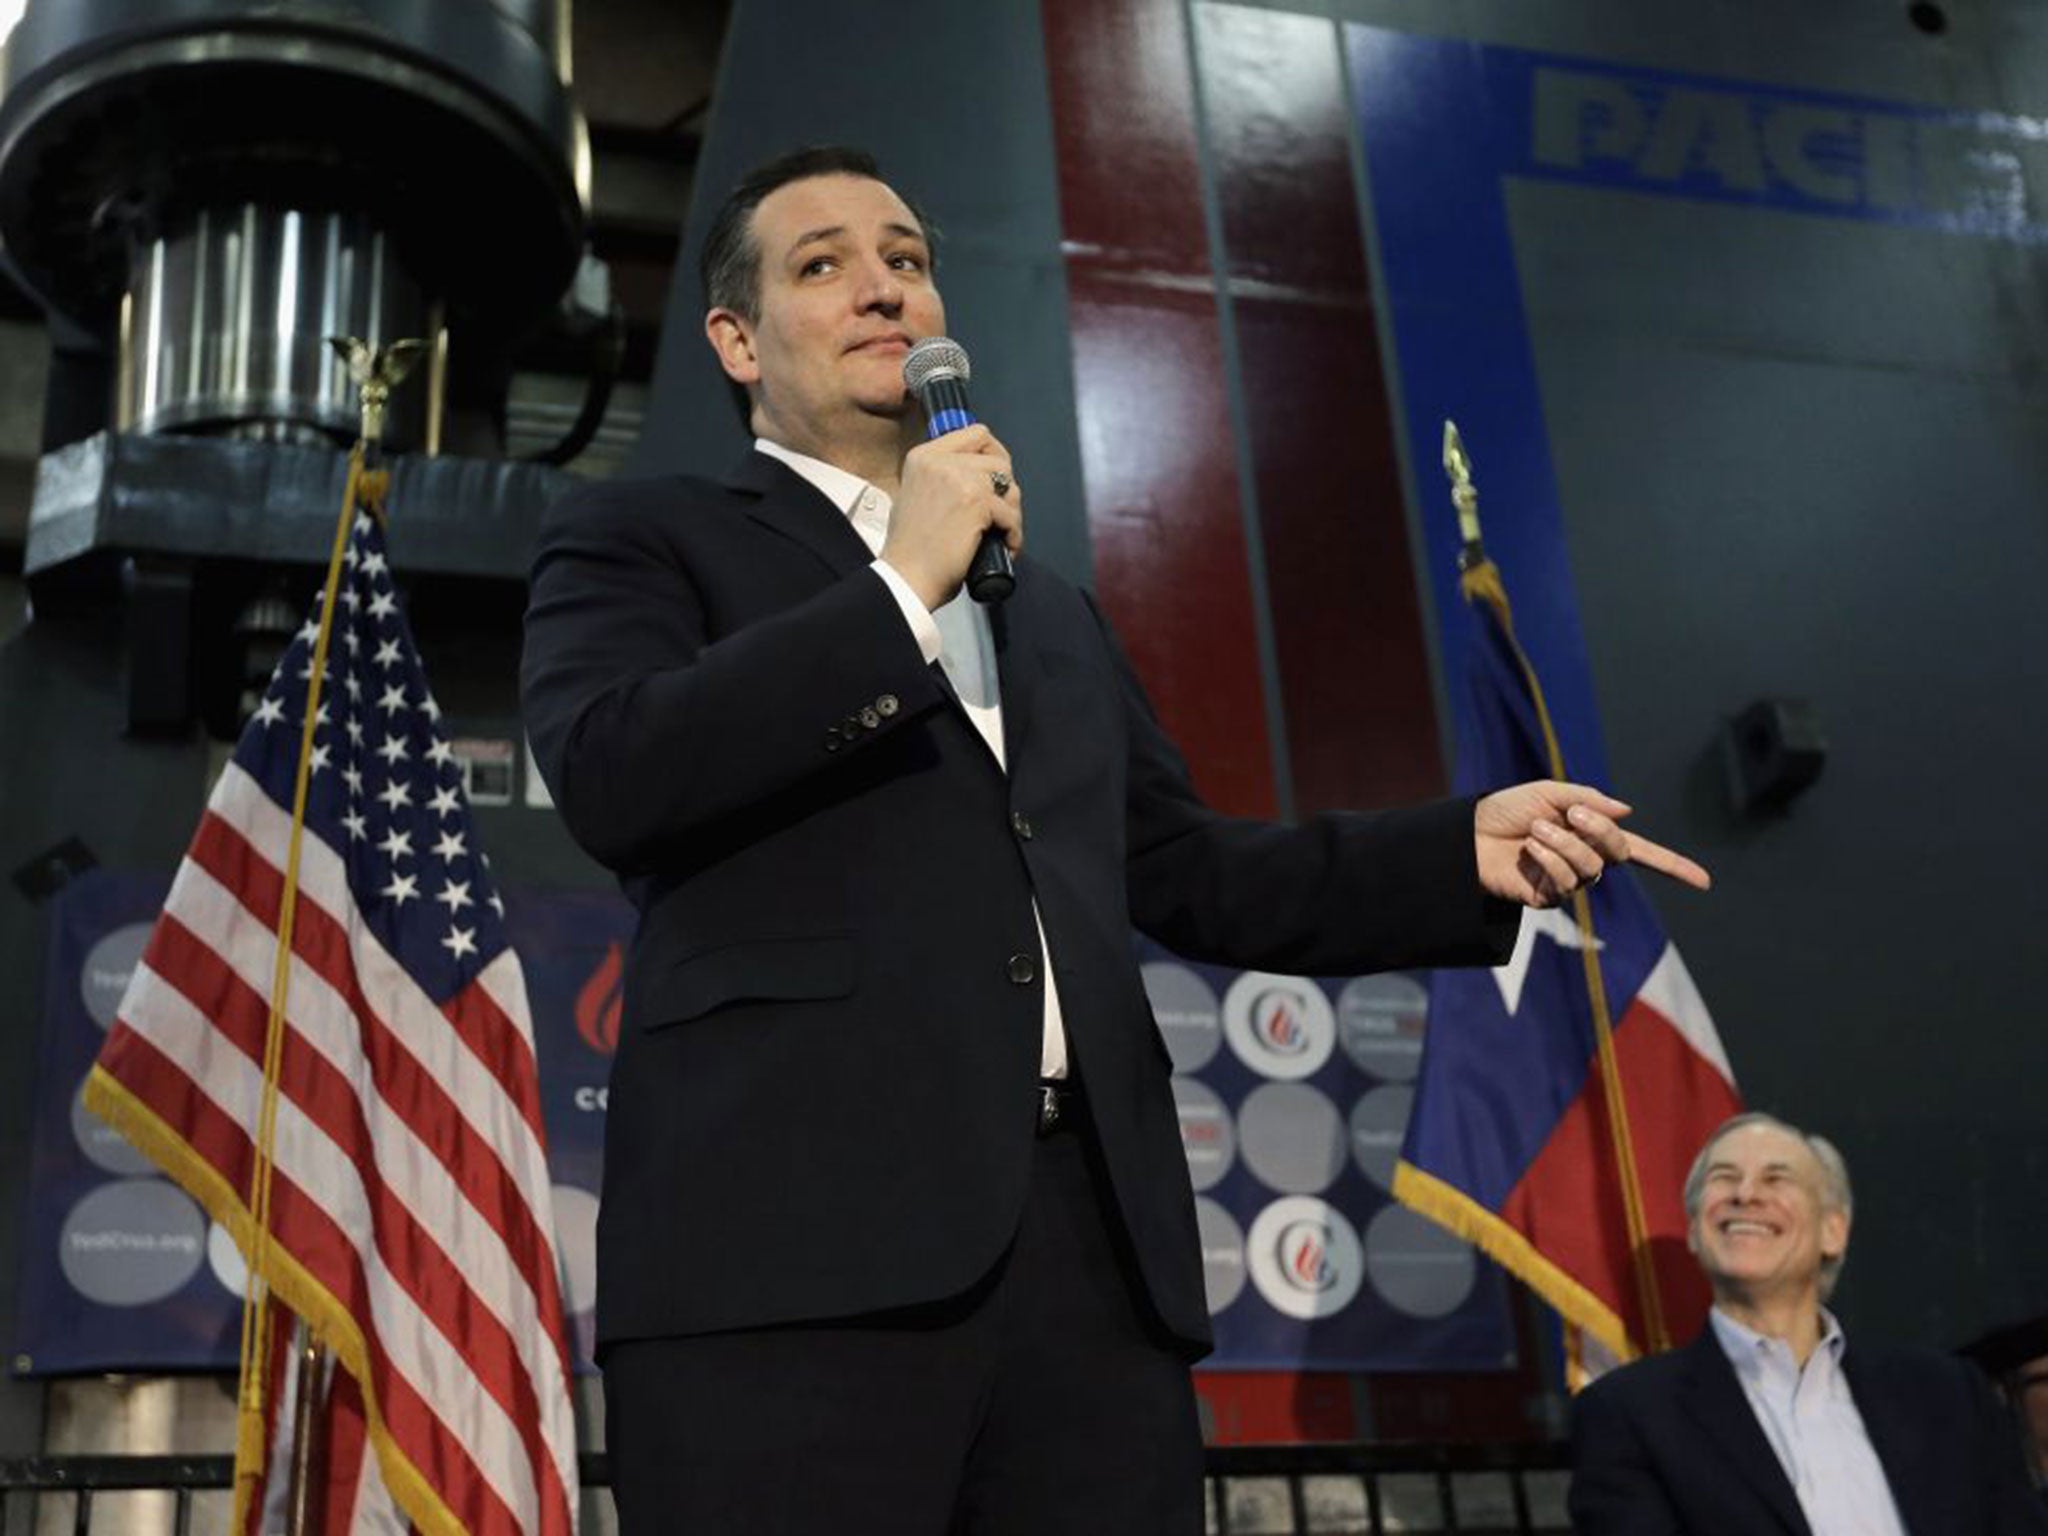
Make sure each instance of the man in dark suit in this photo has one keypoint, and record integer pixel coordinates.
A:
(1770, 1422)
(896, 1230)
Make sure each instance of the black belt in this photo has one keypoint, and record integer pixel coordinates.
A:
(1059, 1106)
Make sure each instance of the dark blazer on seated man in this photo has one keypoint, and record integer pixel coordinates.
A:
(1771, 1423)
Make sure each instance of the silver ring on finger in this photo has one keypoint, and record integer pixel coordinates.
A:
(1000, 482)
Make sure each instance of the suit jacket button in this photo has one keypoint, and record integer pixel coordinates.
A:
(1021, 825)
(832, 742)
(1023, 970)
(870, 718)
(887, 705)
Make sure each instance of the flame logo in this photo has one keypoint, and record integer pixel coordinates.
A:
(598, 1003)
(1276, 1019)
(1303, 1249)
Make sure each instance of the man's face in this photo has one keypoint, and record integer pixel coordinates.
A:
(1762, 1229)
(846, 287)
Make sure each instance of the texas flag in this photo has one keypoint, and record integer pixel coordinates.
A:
(1563, 1095)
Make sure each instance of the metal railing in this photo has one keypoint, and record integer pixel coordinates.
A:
(1253, 1490)
(1476, 1490)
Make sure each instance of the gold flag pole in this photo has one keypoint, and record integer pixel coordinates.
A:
(1480, 580)
(375, 372)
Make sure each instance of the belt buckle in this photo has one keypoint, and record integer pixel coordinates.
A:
(1049, 1113)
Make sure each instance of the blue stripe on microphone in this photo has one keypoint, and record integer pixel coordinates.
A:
(950, 420)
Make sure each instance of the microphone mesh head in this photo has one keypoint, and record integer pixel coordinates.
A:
(934, 357)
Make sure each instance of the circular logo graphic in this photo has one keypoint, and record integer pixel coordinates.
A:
(1280, 1026)
(576, 1246)
(1304, 1258)
(1416, 1265)
(108, 965)
(103, 1146)
(1380, 1020)
(225, 1260)
(131, 1243)
(1207, 1138)
(599, 1002)
(1290, 1135)
(1222, 1254)
(1379, 1121)
(1189, 1019)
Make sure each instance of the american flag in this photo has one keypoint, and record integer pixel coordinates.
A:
(410, 1207)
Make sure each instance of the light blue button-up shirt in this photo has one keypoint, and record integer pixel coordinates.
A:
(1811, 1421)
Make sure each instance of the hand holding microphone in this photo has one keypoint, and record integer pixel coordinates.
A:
(957, 483)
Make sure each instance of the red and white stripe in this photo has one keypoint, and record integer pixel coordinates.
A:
(410, 1179)
(1678, 1088)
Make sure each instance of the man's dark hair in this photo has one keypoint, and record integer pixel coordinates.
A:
(729, 266)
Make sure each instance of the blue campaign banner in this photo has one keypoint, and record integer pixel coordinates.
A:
(1445, 124)
(121, 1269)
(1294, 1094)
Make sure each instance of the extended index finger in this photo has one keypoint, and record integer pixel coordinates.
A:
(1667, 861)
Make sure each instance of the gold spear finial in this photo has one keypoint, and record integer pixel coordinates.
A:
(376, 371)
(1464, 494)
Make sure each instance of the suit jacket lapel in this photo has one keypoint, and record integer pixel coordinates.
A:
(793, 507)
(1716, 1400)
(1016, 677)
(1898, 1445)
(796, 509)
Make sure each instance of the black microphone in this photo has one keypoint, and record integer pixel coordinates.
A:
(935, 370)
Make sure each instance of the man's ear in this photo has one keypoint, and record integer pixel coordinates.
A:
(1834, 1234)
(733, 340)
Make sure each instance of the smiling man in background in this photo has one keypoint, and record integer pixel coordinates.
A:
(1769, 1422)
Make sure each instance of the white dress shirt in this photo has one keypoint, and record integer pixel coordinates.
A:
(1810, 1418)
(958, 638)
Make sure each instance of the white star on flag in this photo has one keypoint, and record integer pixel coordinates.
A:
(1555, 924)
(460, 941)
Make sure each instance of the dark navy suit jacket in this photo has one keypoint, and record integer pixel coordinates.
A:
(822, 1101)
(1670, 1445)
